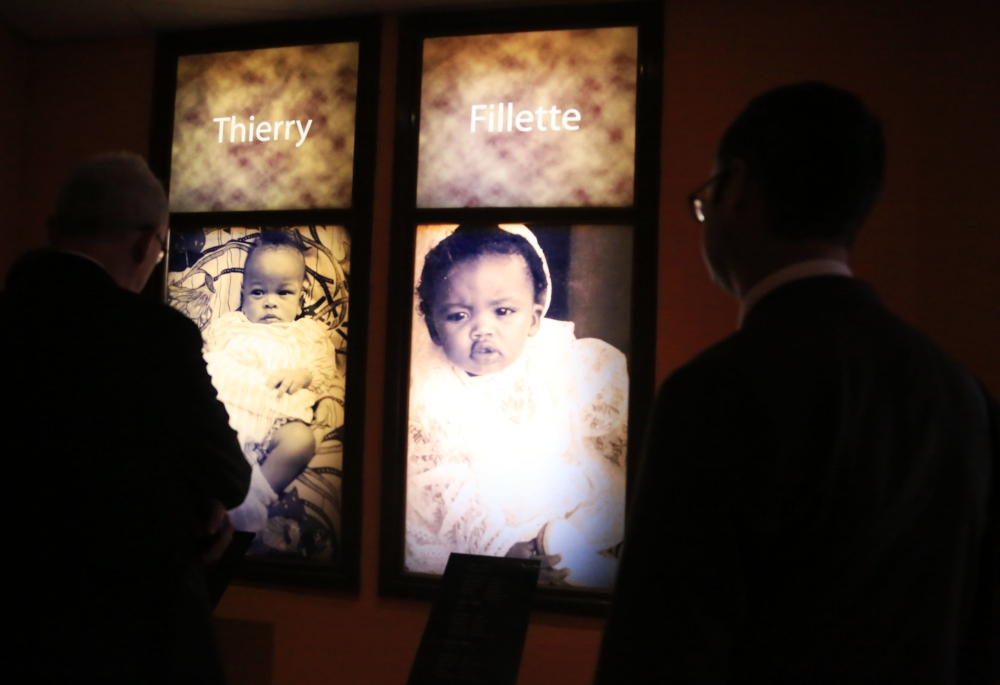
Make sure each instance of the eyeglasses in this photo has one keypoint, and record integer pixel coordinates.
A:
(696, 203)
(163, 247)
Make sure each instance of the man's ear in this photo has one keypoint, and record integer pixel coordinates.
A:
(140, 243)
(731, 189)
(536, 320)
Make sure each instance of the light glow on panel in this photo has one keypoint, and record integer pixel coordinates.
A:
(535, 119)
(518, 407)
(265, 129)
(275, 332)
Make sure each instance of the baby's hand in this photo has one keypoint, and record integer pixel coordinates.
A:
(549, 574)
(289, 380)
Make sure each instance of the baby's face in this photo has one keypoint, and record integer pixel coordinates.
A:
(273, 281)
(487, 313)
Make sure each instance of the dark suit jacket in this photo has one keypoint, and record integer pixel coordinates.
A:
(817, 503)
(113, 445)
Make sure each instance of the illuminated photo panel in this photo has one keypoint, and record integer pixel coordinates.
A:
(268, 129)
(534, 119)
(518, 400)
(272, 306)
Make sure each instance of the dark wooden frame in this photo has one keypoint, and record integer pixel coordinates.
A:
(643, 216)
(366, 31)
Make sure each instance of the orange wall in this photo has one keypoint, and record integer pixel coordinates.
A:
(931, 72)
(82, 98)
(932, 246)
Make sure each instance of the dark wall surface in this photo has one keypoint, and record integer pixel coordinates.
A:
(931, 247)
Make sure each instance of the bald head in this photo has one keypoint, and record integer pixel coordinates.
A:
(114, 211)
(107, 197)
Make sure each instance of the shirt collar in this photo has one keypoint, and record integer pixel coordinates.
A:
(793, 272)
(88, 258)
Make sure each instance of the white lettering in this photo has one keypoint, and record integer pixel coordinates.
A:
(264, 131)
(222, 124)
(303, 133)
(524, 117)
(540, 112)
(554, 112)
(232, 132)
(476, 117)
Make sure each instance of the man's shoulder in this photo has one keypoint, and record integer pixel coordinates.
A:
(65, 294)
(151, 318)
(819, 335)
(719, 366)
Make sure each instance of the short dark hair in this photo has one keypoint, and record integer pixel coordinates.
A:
(108, 196)
(468, 243)
(275, 240)
(818, 155)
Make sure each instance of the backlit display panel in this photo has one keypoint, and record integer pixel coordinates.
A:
(268, 129)
(273, 308)
(518, 397)
(533, 119)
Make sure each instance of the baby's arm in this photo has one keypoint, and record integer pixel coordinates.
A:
(245, 385)
(601, 395)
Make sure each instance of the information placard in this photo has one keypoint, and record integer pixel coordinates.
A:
(475, 633)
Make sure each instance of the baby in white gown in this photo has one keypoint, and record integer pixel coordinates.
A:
(518, 430)
(275, 374)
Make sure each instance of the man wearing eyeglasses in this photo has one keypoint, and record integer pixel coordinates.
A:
(119, 461)
(818, 494)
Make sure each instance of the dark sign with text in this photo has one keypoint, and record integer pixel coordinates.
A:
(476, 630)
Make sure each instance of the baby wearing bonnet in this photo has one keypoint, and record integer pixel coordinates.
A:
(518, 430)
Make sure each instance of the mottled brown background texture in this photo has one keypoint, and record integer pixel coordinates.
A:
(593, 71)
(317, 82)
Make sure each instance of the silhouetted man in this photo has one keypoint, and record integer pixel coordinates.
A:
(119, 460)
(817, 500)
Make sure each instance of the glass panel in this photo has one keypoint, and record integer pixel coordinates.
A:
(265, 129)
(536, 119)
(519, 397)
(275, 332)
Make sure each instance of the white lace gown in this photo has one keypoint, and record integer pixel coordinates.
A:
(492, 459)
